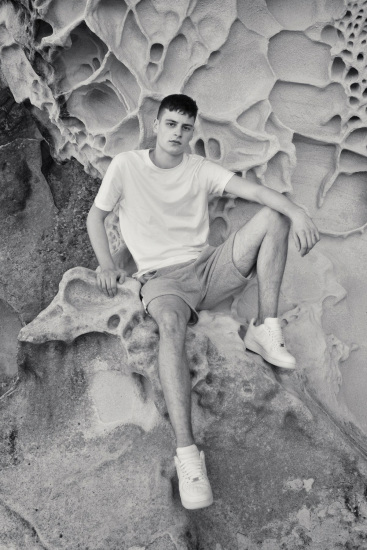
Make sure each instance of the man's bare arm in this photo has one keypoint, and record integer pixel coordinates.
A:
(109, 275)
(304, 232)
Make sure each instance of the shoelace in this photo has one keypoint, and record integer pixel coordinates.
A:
(192, 469)
(276, 335)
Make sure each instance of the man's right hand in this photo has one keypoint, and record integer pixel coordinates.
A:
(107, 280)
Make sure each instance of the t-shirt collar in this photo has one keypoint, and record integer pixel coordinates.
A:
(152, 165)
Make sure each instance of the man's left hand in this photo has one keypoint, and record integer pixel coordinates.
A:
(304, 232)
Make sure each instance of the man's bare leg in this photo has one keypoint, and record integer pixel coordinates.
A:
(264, 239)
(172, 315)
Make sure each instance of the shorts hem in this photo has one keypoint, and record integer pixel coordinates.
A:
(241, 277)
(235, 269)
(194, 318)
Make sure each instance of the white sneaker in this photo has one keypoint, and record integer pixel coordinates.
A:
(194, 486)
(267, 340)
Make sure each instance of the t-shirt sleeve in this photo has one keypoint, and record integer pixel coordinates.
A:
(214, 176)
(111, 189)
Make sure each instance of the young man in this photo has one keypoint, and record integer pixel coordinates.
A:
(163, 200)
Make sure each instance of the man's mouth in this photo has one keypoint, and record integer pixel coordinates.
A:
(175, 141)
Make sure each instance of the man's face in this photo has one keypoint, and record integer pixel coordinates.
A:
(174, 131)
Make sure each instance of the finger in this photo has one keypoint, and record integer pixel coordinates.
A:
(113, 286)
(121, 277)
(100, 282)
(303, 243)
(309, 242)
(109, 286)
(296, 241)
(315, 238)
(104, 286)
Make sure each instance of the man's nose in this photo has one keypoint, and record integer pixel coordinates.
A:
(178, 131)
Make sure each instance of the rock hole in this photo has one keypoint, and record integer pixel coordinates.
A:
(352, 35)
(41, 29)
(239, 174)
(337, 67)
(214, 57)
(113, 322)
(360, 57)
(156, 52)
(96, 63)
(352, 74)
(209, 379)
(355, 87)
(242, 331)
(214, 148)
(353, 100)
(330, 34)
(354, 119)
(365, 92)
(200, 148)
(152, 70)
(346, 53)
(127, 332)
(99, 141)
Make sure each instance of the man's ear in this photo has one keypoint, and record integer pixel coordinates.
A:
(155, 125)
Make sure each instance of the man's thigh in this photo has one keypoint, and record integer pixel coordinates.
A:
(248, 240)
(173, 285)
(220, 277)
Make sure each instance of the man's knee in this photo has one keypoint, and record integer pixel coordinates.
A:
(277, 222)
(170, 315)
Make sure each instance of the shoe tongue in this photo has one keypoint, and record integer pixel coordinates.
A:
(272, 322)
(188, 452)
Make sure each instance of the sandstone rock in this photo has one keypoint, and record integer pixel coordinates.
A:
(282, 89)
(96, 453)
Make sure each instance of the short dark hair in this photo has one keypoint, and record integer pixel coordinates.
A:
(179, 102)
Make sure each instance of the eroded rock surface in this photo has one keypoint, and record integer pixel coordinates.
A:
(282, 91)
(87, 430)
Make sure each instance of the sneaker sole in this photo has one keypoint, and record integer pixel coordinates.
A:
(195, 505)
(253, 346)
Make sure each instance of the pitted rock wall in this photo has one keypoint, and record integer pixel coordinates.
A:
(282, 92)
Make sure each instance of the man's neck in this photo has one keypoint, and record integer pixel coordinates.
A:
(164, 160)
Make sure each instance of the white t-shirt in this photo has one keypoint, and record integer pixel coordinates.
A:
(163, 212)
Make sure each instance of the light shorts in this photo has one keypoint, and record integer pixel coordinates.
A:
(201, 283)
